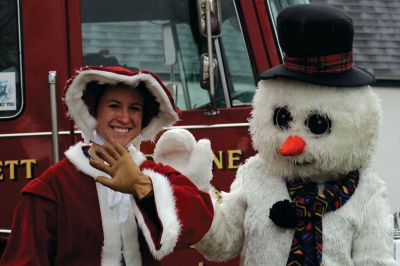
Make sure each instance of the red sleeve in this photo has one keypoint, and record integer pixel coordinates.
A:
(32, 239)
(192, 207)
(195, 210)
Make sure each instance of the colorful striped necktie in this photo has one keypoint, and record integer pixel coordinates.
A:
(306, 249)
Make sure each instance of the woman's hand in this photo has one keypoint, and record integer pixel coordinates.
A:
(126, 175)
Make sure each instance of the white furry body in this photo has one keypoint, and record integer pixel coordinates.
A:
(359, 233)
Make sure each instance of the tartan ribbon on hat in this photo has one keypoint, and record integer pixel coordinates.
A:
(307, 241)
(334, 63)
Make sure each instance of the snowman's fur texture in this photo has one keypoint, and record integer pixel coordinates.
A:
(355, 116)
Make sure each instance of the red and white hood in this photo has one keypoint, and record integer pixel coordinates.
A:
(79, 112)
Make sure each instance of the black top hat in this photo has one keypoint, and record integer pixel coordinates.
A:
(317, 42)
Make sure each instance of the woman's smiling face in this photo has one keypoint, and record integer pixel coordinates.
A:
(119, 115)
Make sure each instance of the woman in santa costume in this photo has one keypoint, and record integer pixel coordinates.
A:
(105, 204)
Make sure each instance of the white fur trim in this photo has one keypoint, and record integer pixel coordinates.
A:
(165, 204)
(127, 238)
(78, 158)
(79, 112)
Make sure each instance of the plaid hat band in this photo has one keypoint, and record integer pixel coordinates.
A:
(334, 63)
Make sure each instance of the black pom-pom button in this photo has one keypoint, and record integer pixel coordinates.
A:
(283, 214)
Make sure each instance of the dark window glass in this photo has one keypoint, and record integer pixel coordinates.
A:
(11, 96)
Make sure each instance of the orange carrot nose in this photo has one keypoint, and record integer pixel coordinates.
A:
(293, 145)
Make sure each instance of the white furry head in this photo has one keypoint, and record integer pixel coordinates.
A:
(354, 115)
(78, 109)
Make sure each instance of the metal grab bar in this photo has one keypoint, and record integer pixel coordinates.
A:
(53, 107)
(210, 58)
(396, 236)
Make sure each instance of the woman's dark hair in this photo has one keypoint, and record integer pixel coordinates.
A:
(151, 107)
(94, 91)
(92, 95)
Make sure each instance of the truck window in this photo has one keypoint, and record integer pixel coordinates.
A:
(163, 36)
(240, 77)
(11, 94)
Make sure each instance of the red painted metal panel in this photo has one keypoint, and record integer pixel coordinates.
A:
(44, 49)
(254, 35)
(226, 115)
(260, 34)
(267, 34)
(23, 159)
(74, 34)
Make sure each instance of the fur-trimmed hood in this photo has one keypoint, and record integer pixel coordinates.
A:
(78, 109)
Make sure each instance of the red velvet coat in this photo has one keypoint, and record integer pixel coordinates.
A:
(66, 218)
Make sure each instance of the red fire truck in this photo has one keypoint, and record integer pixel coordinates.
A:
(209, 53)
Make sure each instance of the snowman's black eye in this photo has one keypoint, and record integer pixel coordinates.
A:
(318, 124)
(282, 117)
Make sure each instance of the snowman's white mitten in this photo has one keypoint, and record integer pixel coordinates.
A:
(179, 149)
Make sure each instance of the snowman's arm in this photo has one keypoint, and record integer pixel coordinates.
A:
(225, 238)
(373, 243)
(179, 149)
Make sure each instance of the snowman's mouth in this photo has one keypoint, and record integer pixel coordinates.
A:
(303, 162)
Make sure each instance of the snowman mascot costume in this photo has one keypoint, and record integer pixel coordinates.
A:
(309, 196)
